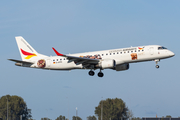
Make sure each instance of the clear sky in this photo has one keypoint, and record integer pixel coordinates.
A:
(82, 26)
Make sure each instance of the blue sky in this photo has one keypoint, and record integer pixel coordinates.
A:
(83, 26)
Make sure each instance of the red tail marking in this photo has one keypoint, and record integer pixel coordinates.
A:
(26, 53)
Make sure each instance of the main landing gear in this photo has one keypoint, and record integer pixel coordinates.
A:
(91, 73)
(100, 74)
(157, 66)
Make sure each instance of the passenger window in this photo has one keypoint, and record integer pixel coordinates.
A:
(117, 53)
(106, 54)
(128, 51)
(57, 59)
(53, 60)
(60, 59)
(102, 54)
(142, 50)
(64, 59)
(124, 52)
(138, 50)
(135, 51)
(121, 52)
(114, 53)
(131, 51)
(110, 53)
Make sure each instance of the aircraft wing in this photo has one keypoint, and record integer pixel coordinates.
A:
(19, 61)
(78, 60)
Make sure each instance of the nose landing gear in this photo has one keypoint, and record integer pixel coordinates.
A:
(157, 66)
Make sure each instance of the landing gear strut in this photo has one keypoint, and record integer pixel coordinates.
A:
(157, 66)
(91, 73)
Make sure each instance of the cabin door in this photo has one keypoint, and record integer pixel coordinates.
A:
(48, 62)
(151, 50)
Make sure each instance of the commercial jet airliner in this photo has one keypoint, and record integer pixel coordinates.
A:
(115, 59)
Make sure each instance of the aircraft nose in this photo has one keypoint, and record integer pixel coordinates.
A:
(171, 54)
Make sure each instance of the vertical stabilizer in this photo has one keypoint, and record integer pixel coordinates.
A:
(27, 52)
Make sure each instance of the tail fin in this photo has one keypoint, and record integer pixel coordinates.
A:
(27, 52)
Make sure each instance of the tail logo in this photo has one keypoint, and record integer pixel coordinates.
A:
(29, 55)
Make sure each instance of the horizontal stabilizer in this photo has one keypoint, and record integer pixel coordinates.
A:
(19, 61)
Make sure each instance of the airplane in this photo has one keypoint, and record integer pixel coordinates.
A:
(115, 59)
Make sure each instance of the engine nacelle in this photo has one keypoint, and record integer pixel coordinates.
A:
(23, 64)
(107, 64)
(122, 67)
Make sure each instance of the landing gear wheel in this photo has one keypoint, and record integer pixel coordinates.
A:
(91, 73)
(100, 74)
(157, 60)
(157, 66)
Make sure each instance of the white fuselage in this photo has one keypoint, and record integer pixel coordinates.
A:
(121, 56)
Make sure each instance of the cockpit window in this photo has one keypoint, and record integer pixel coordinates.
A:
(161, 48)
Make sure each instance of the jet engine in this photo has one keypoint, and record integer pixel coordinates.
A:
(122, 67)
(107, 64)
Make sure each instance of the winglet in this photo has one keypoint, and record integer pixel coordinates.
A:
(57, 53)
